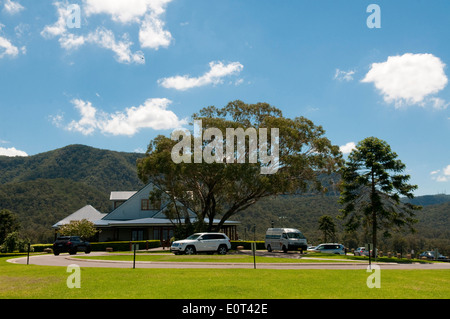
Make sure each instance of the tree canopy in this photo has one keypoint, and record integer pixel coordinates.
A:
(82, 228)
(371, 189)
(327, 227)
(300, 158)
(8, 224)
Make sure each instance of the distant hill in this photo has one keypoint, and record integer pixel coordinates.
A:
(41, 203)
(44, 188)
(427, 200)
(303, 212)
(103, 169)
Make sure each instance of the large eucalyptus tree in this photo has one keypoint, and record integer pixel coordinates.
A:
(300, 158)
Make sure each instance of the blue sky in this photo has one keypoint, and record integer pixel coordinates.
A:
(138, 68)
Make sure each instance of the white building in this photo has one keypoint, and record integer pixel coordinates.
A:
(135, 217)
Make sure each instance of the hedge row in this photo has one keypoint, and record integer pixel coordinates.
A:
(125, 245)
(144, 244)
(39, 248)
(247, 244)
(115, 245)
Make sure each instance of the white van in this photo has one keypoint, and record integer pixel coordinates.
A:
(285, 239)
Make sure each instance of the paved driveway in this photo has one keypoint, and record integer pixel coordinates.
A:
(64, 260)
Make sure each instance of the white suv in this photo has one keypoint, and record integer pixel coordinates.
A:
(202, 242)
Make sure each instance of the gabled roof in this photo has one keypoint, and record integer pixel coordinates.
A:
(126, 211)
(142, 222)
(87, 212)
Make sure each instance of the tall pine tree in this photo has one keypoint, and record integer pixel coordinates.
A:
(371, 190)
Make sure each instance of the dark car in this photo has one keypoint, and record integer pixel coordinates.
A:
(71, 245)
(430, 255)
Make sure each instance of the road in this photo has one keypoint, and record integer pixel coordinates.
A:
(65, 260)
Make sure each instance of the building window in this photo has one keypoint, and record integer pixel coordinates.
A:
(156, 204)
(145, 204)
(118, 203)
(137, 235)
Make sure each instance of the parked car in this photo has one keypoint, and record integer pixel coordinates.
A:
(430, 255)
(361, 251)
(71, 245)
(330, 248)
(202, 243)
(311, 248)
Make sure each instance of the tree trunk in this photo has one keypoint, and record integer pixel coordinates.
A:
(374, 218)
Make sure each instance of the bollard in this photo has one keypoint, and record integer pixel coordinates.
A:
(28, 253)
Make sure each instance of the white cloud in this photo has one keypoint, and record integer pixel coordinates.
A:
(217, 71)
(88, 122)
(13, 7)
(11, 152)
(7, 48)
(59, 28)
(438, 103)
(408, 79)
(152, 114)
(441, 177)
(347, 148)
(447, 170)
(70, 41)
(344, 75)
(106, 39)
(147, 13)
(101, 37)
(152, 35)
(125, 11)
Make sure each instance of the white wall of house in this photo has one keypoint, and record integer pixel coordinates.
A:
(132, 208)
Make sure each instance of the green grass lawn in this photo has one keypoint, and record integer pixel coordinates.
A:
(207, 258)
(36, 282)
(240, 258)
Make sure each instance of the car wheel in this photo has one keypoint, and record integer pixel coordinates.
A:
(190, 250)
(72, 252)
(88, 251)
(269, 249)
(222, 250)
(285, 249)
(56, 253)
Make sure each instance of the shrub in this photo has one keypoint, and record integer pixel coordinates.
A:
(247, 244)
(115, 245)
(124, 245)
(39, 248)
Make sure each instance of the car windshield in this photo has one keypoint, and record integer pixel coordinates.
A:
(296, 235)
(195, 236)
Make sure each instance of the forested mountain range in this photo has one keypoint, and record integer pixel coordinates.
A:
(103, 169)
(303, 213)
(44, 188)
